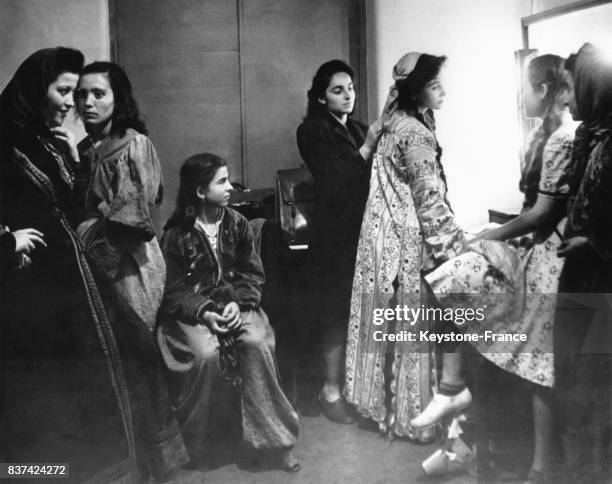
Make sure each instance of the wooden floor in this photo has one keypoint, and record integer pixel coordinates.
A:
(334, 453)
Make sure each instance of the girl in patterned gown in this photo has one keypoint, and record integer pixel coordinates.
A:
(408, 227)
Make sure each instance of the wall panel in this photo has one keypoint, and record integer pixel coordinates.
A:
(183, 59)
(283, 45)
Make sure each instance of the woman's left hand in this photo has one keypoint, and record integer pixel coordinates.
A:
(67, 139)
(572, 245)
(232, 313)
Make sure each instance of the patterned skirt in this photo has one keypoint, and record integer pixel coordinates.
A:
(514, 285)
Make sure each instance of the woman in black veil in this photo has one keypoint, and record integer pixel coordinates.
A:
(63, 392)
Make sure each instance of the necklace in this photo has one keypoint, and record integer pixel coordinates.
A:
(211, 229)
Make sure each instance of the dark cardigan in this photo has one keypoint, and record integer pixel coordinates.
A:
(193, 271)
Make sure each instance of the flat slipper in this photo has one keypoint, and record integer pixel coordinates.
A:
(288, 462)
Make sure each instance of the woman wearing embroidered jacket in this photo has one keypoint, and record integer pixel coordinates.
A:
(211, 318)
(62, 385)
(125, 185)
(408, 227)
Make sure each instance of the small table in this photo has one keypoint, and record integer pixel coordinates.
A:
(501, 217)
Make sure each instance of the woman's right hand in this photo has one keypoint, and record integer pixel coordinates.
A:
(27, 239)
(215, 322)
(68, 140)
(371, 140)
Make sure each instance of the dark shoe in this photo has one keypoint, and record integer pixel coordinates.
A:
(336, 411)
(541, 477)
(288, 462)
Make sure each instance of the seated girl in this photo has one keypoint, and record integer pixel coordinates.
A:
(211, 321)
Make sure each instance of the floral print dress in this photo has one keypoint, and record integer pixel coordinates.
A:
(407, 227)
(517, 286)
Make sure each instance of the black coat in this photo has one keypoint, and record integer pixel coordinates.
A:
(342, 179)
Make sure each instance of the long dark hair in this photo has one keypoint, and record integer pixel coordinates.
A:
(592, 74)
(549, 69)
(126, 113)
(197, 171)
(426, 70)
(320, 83)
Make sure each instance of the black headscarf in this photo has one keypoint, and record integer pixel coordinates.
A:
(593, 85)
(593, 94)
(22, 124)
(22, 101)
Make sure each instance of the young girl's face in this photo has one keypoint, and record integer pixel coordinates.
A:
(218, 191)
(339, 95)
(533, 98)
(432, 95)
(59, 99)
(571, 98)
(95, 99)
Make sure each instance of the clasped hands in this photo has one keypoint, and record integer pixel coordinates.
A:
(228, 321)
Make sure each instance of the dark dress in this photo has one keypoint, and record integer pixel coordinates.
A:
(342, 176)
(583, 335)
(583, 323)
(7, 246)
(63, 395)
(118, 233)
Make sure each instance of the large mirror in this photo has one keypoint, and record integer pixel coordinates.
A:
(563, 30)
(559, 31)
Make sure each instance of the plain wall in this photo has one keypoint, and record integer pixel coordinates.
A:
(29, 25)
(283, 45)
(183, 61)
(477, 126)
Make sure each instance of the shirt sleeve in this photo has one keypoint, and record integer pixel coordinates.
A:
(442, 237)
(138, 188)
(556, 163)
(180, 301)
